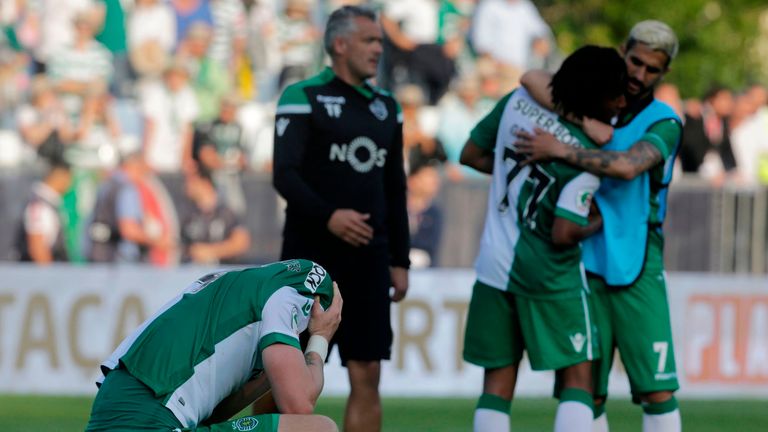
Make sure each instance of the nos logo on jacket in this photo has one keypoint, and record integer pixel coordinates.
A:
(361, 154)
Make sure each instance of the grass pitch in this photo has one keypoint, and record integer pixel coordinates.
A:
(65, 414)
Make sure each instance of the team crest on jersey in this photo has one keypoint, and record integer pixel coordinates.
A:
(292, 265)
(245, 424)
(306, 308)
(584, 200)
(315, 278)
(379, 109)
(577, 340)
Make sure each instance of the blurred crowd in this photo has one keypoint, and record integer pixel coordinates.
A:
(113, 94)
(90, 77)
(725, 135)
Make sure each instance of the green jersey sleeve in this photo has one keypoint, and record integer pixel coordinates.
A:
(315, 282)
(286, 313)
(664, 135)
(285, 316)
(484, 133)
(576, 197)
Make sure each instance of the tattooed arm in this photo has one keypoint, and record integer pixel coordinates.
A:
(625, 165)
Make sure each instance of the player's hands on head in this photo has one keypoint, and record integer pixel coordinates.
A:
(538, 146)
(325, 322)
(351, 226)
(399, 277)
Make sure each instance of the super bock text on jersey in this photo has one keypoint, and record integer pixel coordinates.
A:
(524, 201)
(530, 293)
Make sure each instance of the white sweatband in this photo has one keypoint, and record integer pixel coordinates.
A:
(319, 345)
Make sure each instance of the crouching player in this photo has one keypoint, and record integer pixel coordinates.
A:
(531, 291)
(220, 345)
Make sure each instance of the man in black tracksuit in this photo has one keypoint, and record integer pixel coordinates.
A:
(338, 162)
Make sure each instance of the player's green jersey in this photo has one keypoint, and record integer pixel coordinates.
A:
(207, 342)
(516, 250)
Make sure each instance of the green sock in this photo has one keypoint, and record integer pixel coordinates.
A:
(576, 395)
(661, 407)
(493, 402)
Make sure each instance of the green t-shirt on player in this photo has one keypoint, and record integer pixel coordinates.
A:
(207, 342)
(517, 252)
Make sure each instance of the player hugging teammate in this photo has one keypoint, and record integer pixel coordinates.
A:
(624, 261)
(531, 293)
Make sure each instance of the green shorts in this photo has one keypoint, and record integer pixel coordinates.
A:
(555, 333)
(124, 403)
(636, 321)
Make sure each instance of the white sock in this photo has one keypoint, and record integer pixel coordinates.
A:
(573, 416)
(600, 424)
(667, 422)
(488, 420)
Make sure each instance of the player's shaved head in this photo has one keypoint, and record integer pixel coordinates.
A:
(587, 79)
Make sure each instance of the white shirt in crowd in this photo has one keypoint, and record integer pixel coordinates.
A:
(152, 23)
(171, 114)
(418, 18)
(40, 218)
(750, 146)
(505, 30)
(57, 28)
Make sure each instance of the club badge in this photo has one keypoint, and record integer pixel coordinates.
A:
(379, 109)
